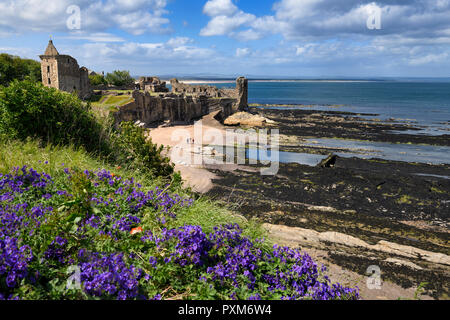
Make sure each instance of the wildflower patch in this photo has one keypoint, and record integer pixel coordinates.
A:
(122, 241)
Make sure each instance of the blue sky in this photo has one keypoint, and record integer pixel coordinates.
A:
(265, 38)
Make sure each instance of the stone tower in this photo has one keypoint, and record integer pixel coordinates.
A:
(63, 73)
(242, 94)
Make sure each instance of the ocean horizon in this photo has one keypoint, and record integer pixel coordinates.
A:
(425, 103)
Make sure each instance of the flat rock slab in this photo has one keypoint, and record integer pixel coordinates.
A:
(247, 119)
(297, 236)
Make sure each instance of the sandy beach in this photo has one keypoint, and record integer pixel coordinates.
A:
(194, 175)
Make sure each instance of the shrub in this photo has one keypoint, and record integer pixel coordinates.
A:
(97, 80)
(137, 149)
(119, 78)
(12, 68)
(28, 109)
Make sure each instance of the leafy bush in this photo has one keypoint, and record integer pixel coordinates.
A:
(137, 149)
(12, 68)
(28, 109)
(97, 80)
(119, 78)
(84, 235)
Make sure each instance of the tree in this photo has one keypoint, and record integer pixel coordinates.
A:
(97, 79)
(7, 69)
(119, 78)
(12, 68)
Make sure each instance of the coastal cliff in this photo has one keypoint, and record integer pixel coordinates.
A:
(150, 109)
(185, 103)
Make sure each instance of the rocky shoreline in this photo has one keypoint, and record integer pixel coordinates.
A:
(375, 201)
(346, 125)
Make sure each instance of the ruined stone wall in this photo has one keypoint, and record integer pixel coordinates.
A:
(240, 92)
(210, 91)
(85, 85)
(179, 107)
(68, 73)
(231, 93)
(153, 84)
(150, 109)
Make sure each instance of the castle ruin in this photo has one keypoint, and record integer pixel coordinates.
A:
(239, 93)
(153, 84)
(210, 91)
(63, 73)
(185, 103)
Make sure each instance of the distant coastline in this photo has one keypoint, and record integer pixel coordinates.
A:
(208, 81)
(193, 80)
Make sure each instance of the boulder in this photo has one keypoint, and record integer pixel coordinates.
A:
(246, 119)
(329, 162)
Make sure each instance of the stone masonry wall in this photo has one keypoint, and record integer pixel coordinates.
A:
(49, 70)
(150, 109)
(240, 92)
(179, 107)
(210, 91)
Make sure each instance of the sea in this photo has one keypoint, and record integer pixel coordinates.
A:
(424, 103)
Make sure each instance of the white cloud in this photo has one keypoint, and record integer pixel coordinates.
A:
(224, 25)
(242, 52)
(175, 49)
(300, 51)
(179, 41)
(430, 58)
(249, 35)
(299, 20)
(317, 33)
(215, 8)
(133, 16)
(94, 37)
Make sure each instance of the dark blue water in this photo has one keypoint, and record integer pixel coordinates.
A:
(428, 103)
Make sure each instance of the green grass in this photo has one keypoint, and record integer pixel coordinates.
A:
(108, 101)
(102, 106)
(118, 100)
(19, 153)
(113, 101)
(209, 214)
